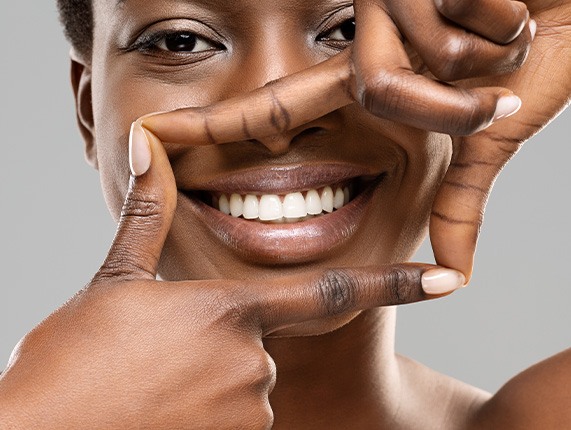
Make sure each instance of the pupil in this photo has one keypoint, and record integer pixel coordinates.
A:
(181, 42)
(348, 29)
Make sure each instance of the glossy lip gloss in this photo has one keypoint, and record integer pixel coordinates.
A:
(290, 242)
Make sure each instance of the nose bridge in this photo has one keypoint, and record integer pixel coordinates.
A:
(280, 51)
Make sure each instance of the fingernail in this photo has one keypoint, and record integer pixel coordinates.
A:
(507, 106)
(532, 28)
(441, 281)
(139, 150)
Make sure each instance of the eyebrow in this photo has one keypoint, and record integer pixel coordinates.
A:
(120, 3)
(223, 4)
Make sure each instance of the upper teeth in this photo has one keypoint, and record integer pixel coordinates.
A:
(291, 207)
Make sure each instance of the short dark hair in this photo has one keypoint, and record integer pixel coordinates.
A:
(76, 17)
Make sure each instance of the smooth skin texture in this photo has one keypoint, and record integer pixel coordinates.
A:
(216, 368)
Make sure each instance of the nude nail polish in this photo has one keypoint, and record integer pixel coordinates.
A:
(139, 150)
(507, 106)
(532, 28)
(441, 281)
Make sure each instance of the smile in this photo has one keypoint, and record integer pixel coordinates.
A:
(293, 215)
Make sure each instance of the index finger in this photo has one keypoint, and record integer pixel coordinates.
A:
(500, 21)
(277, 107)
(334, 292)
(298, 99)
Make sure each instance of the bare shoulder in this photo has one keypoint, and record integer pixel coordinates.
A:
(432, 400)
(537, 398)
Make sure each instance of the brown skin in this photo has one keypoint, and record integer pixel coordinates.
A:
(207, 335)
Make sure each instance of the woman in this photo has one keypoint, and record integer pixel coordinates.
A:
(207, 335)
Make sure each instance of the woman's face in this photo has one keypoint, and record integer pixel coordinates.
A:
(165, 54)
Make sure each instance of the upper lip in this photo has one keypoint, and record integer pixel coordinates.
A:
(284, 179)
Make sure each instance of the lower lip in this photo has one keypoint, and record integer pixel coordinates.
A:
(292, 243)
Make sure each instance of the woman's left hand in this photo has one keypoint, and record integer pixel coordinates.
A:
(544, 85)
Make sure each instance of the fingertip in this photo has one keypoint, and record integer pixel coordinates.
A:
(139, 150)
(442, 280)
(532, 28)
(507, 106)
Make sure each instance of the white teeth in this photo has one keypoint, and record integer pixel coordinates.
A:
(313, 202)
(224, 205)
(270, 207)
(236, 205)
(251, 207)
(327, 199)
(338, 199)
(292, 207)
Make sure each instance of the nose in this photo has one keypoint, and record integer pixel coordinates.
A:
(277, 51)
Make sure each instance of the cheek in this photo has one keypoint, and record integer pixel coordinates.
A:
(401, 220)
(428, 160)
(121, 96)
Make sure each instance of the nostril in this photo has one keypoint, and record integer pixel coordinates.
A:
(279, 143)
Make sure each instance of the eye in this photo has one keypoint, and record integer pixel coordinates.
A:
(184, 42)
(171, 42)
(345, 32)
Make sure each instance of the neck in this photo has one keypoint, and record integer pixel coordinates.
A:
(332, 380)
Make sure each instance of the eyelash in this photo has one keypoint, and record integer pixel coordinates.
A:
(149, 43)
(339, 27)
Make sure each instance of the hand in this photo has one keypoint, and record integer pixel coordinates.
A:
(453, 40)
(129, 351)
(544, 85)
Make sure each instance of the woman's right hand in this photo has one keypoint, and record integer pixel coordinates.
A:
(129, 351)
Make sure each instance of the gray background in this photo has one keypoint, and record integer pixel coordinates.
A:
(55, 229)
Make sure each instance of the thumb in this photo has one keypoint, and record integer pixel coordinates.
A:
(147, 212)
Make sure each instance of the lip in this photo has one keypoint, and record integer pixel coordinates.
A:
(285, 179)
(293, 243)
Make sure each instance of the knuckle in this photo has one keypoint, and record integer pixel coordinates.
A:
(279, 116)
(226, 312)
(142, 204)
(336, 290)
(450, 61)
(232, 307)
(262, 370)
(261, 415)
(403, 285)
(379, 92)
(502, 148)
(124, 264)
(473, 116)
(453, 9)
